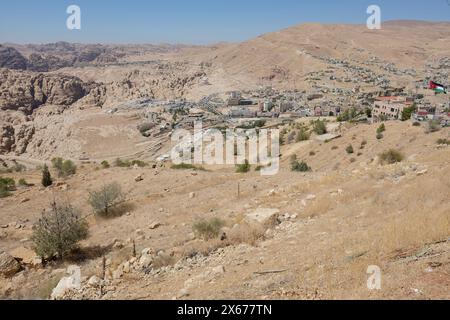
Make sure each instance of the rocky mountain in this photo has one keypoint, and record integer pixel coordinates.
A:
(12, 59)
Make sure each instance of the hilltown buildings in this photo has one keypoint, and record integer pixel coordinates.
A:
(390, 108)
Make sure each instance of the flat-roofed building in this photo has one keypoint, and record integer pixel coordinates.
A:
(390, 108)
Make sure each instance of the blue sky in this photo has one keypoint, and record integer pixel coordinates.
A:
(191, 21)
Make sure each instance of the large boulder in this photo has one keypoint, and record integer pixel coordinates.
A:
(68, 284)
(265, 216)
(8, 265)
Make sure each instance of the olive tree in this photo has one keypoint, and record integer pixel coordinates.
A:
(58, 231)
(106, 198)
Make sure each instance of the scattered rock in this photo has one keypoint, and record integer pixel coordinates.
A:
(183, 293)
(422, 172)
(154, 225)
(94, 281)
(139, 178)
(8, 265)
(24, 200)
(192, 195)
(25, 255)
(263, 215)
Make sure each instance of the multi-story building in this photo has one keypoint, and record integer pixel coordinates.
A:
(390, 108)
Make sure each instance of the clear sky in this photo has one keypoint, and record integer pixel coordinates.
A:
(191, 21)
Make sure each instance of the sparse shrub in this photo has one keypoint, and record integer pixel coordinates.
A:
(46, 177)
(6, 185)
(68, 168)
(381, 128)
(121, 164)
(64, 168)
(299, 166)
(352, 160)
(138, 163)
(187, 166)
(291, 137)
(380, 136)
(105, 164)
(349, 149)
(302, 135)
(23, 183)
(363, 144)
(106, 199)
(243, 168)
(320, 127)
(334, 147)
(391, 156)
(416, 124)
(433, 126)
(443, 142)
(312, 153)
(58, 231)
(208, 229)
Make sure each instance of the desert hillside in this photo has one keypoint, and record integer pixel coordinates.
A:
(85, 133)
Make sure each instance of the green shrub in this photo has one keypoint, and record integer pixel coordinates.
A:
(208, 229)
(122, 164)
(320, 127)
(391, 156)
(105, 164)
(349, 149)
(381, 128)
(64, 168)
(58, 231)
(46, 177)
(407, 112)
(105, 200)
(302, 135)
(299, 166)
(138, 163)
(243, 168)
(6, 185)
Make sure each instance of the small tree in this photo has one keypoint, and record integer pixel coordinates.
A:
(105, 199)
(58, 231)
(46, 177)
(407, 112)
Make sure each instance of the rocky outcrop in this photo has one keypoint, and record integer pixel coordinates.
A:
(8, 265)
(25, 91)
